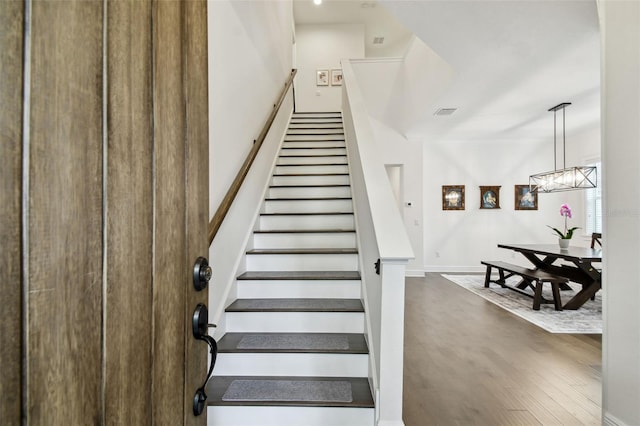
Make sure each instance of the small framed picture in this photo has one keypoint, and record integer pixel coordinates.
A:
(452, 197)
(525, 198)
(336, 77)
(322, 77)
(489, 197)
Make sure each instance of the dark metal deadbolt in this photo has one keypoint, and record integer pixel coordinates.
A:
(201, 273)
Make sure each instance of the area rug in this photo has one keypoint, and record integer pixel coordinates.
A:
(586, 320)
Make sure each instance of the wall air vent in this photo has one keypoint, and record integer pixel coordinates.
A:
(445, 111)
(378, 40)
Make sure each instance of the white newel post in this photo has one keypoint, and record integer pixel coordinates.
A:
(392, 339)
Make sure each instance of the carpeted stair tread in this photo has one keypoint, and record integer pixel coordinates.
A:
(304, 213)
(312, 156)
(336, 114)
(328, 138)
(312, 174)
(345, 343)
(290, 391)
(305, 231)
(284, 148)
(310, 164)
(336, 121)
(296, 305)
(304, 251)
(308, 199)
(300, 275)
(337, 185)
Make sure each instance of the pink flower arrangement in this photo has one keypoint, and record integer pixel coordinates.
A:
(565, 211)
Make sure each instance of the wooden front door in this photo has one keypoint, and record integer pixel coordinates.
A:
(104, 167)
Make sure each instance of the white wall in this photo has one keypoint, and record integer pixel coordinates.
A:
(383, 90)
(250, 57)
(620, 29)
(459, 240)
(398, 151)
(322, 47)
(400, 91)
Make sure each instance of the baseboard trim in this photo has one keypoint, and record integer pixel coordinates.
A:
(451, 268)
(390, 423)
(414, 273)
(610, 420)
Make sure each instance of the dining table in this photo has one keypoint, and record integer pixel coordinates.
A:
(574, 264)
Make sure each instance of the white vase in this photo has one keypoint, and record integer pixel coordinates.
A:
(563, 243)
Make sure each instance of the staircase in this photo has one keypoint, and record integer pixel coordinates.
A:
(294, 352)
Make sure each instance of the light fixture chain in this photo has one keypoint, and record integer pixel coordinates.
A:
(564, 143)
(554, 141)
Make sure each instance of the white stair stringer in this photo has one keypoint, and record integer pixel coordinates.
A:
(294, 351)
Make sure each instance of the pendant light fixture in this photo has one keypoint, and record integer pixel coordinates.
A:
(565, 179)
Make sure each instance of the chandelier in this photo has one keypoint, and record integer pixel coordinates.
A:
(567, 178)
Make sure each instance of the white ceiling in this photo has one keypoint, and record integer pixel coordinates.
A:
(378, 22)
(512, 60)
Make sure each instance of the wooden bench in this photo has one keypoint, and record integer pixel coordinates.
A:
(532, 278)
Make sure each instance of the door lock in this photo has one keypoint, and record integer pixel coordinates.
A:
(201, 273)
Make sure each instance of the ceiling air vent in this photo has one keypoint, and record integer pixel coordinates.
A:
(378, 40)
(445, 111)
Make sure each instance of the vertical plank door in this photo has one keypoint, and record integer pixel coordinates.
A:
(104, 201)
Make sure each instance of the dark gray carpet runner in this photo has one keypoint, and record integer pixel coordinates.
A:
(289, 390)
(308, 342)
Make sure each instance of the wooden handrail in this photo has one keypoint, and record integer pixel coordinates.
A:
(225, 205)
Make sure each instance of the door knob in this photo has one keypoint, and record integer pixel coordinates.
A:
(201, 273)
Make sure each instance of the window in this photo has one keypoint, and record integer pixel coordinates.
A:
(593, 204)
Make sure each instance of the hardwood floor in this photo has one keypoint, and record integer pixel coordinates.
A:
(469, 362)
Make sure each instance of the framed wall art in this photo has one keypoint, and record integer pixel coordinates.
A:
(336, 77)
(525, 199)
(489, 197)
(452, 197)
(322, 77)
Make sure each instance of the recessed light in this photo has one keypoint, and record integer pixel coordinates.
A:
(317, 2)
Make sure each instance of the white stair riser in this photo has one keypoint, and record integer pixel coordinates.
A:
(327, 124)
(302, 262)
(308, 206)
(314, 132)
(314, 138)
(292, 364)
(307, 222)
(314, 144)
(309, 191)
(303, 289)
(306, 240)
(295, 322)
(342, 179)
(289, 416)
(313, 151)
(311, 169)
(316, 159)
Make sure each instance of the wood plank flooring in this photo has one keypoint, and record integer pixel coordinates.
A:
(469, 362)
